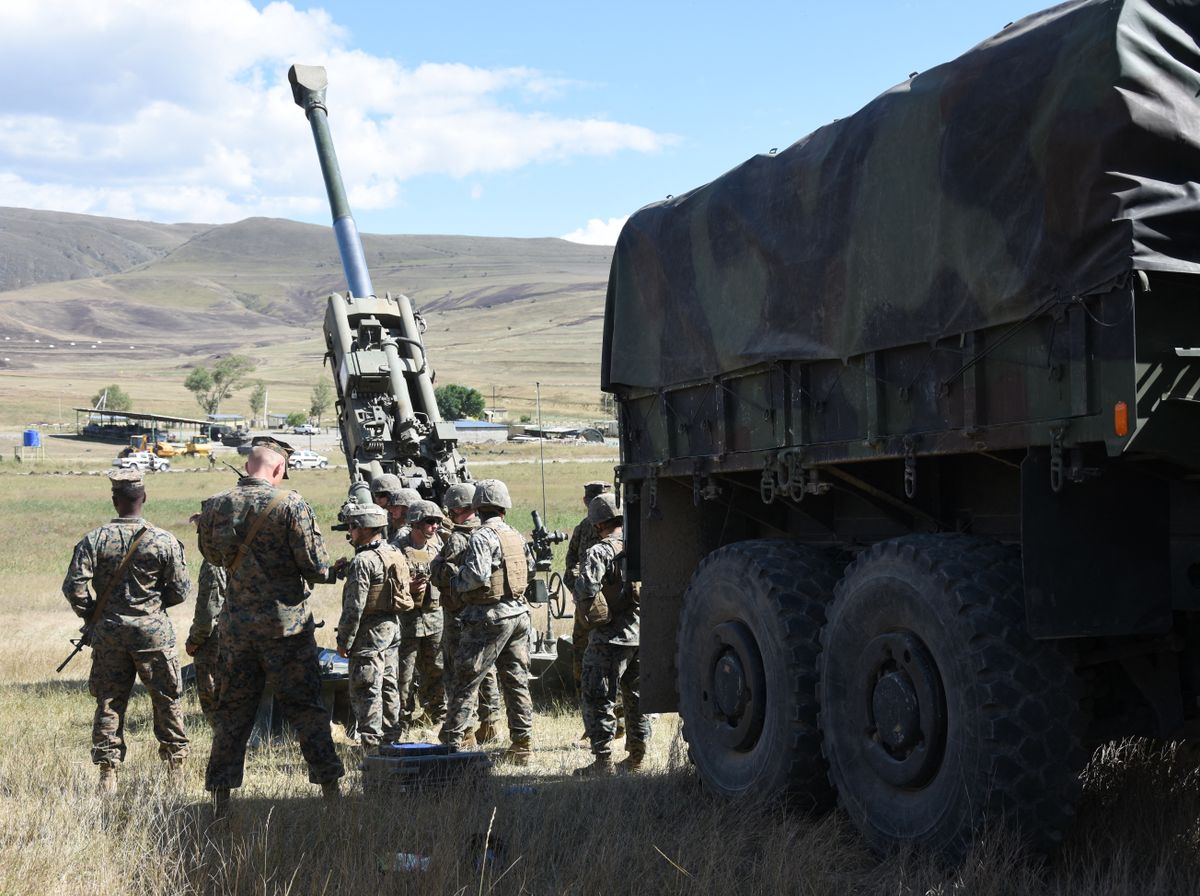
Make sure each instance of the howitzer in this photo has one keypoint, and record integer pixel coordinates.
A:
(387, 413)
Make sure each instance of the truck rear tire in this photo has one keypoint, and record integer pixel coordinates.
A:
(940, 713)
(747, 655)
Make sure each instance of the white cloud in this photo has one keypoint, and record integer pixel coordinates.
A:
(181, 111)
(598, 232)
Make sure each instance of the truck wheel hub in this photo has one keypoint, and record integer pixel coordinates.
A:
(906, 709)
(734, 697)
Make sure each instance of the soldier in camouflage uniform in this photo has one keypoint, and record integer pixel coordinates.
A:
(376, 589)
(491, 581)
(583, 536)
(132, 635)
(385, 488)
(610, 664)
(398, 501)
(271, 548)
(204, 640)
(445, 566)
(421, 627)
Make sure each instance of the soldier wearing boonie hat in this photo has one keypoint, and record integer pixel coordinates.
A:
(136, 571)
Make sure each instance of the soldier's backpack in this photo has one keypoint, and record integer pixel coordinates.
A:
(392, 594)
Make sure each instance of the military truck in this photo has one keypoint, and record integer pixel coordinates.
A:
(910, 435)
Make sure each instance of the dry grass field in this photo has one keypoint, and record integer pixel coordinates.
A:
(658, 832)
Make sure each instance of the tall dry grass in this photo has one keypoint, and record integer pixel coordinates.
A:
(656, 832)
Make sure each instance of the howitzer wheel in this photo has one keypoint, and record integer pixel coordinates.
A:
(558, 596)
(940, 714)
(747, 655)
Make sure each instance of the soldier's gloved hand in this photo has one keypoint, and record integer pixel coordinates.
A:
(339, 568)
(190, 648)
(417, 587)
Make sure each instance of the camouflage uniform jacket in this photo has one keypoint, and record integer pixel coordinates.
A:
(599, 565)
(267, 595)
(583, 537)
(446, 564)
(426, 618)
(156, 578)
(210, 599)
(480, 558)
(365, 570)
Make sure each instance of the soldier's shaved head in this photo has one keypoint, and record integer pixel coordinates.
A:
(266, 463)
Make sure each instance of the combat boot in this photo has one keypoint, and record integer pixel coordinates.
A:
(468, 742)
(633, 762)
(108, 780)
(601, 767)
(331, 791)
(584, 742)
(519, 752)
(175, 771)
(221, 802)
(486, 733)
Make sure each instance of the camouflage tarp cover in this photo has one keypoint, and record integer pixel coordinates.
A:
(1047, 162)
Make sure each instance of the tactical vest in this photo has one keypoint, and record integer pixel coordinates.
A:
(613, 598)
(419, 560)
(390, 595)
(511, 578)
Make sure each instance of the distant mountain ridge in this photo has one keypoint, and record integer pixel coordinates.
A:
(136, 295)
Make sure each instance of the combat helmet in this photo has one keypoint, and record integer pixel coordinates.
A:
(603, 508)
(491, 493)
(404, 497)
(459, 496)
(364, 516)
(419, 511)
(385, 484)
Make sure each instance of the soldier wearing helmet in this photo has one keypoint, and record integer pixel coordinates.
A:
(583, 536)
(491, 582)
(375, 593)
(420, 651)
(464, 522)
(610, 612)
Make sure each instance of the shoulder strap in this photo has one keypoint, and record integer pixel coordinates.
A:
(102, 600)
(259, 520)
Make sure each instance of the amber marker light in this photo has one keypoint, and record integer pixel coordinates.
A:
(1121, 419)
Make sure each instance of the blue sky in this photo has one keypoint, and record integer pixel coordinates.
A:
(518, 119)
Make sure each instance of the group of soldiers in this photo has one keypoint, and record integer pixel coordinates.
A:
(432, 594)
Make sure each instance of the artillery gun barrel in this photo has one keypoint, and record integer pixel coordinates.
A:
(308, 89)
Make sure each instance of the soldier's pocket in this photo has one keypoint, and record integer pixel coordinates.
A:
(363, 677)
(161, 672)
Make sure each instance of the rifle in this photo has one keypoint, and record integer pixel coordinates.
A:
(87, 632)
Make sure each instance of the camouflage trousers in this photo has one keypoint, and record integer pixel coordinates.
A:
(611, 671)
(420, 658)
(290, 667)
(579, 644)
(503, 644)
(488, 698)
(114, 669)
(368, 667)
(207, 665)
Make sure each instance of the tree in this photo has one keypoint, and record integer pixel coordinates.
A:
(296, 418)
(322, 399)
(258, 400)
(457, 402)
(211, 387)
(115, 398)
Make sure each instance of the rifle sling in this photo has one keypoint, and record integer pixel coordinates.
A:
(102, 600)
(259, 520)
